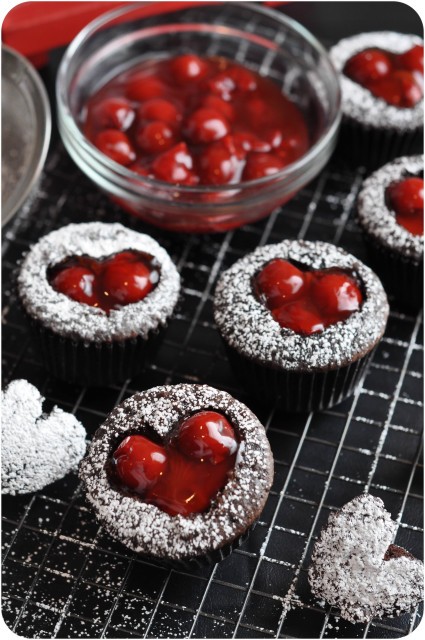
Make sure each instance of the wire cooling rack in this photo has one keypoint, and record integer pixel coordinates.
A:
(64, 577)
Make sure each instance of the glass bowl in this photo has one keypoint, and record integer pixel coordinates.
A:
(259, 38)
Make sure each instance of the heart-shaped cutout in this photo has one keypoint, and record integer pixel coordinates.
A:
(395, 78)
(356, 567)
(183, 474)
(307, 301)
(37, 448)
(108, 283)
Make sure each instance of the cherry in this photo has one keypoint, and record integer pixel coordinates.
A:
(217, 164)
(175, 166)
(279, 281)
(206, 125)
(159, 109)
(336, 294)
(128, 282)
(401, 89)
(116, 145)
(142, 87)
(250, 142)
(299, 318)
(413, 59)
(207, 435)
(259, 165)
(138, 463)
(367, 66)
(77, 283)
(235, 78)
(406, 198)
(155, 137)
(116, 113)
(187, 68)
(218, 104)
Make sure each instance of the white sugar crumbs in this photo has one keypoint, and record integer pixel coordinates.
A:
(348, 568)
(37, 448)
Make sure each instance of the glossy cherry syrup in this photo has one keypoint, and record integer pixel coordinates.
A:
(190, 120)
(396, 78)
(183, 475)
(107, 283)
(307, 301)
(406, 199)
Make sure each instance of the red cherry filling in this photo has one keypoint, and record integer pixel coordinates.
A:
(406, 199)
(307, 301)
(110, 283)
(396, 78)
(184, 106)
(184, 475)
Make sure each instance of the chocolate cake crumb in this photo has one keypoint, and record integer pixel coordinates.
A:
(37, 448)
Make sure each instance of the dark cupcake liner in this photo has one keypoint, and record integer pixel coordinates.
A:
(401, 277)
(371, 147)
(298, 391)
(93, 363)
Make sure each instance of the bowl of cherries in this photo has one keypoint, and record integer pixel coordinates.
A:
(198, 119)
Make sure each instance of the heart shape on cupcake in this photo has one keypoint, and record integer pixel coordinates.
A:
(307, 300)
(108, 283)
(37, 448)
(183, 474)
(356, 567)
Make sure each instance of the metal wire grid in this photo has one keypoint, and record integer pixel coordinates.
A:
(63, 576)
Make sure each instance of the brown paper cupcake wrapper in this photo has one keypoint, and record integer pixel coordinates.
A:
(372, 148)
(402, 278)
(298, 392)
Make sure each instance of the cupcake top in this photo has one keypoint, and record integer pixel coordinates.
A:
(78, 320)
(248, 326)
(37, 448)
(355, 566)
(377, 219)
(144, 527)
(359, 103)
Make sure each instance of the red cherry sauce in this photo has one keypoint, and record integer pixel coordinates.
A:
(396, 78)
(107, 283)
(406, 198)
(190, 120)
(307, 301)
(182, 475)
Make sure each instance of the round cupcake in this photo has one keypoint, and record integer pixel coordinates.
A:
(179, 473)
(300, 321)
(382, 96)
(391, 213)
(97, 296)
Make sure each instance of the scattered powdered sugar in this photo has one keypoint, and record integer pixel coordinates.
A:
(75, 320)
(146, 529)
(37, 449)
(348, 568)
(249, 327)
(358, 102)
(377, 219)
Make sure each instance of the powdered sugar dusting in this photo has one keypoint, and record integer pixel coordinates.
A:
(348, 567)
(146, 529)
(379, 221)
(249, 327)
(358, 102)
(72, 319)
(37, 449)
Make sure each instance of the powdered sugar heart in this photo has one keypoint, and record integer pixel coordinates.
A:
(349, 569)
(37, 449)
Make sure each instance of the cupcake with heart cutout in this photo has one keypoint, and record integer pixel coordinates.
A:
(356, 567)
(300, 321)
(97, 296)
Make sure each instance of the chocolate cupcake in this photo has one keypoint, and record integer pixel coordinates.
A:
(300, 321)
(355, 566)
(390, 213)
(179, 473)
(382, 96)
(97, 296)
